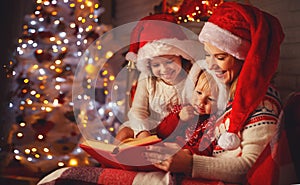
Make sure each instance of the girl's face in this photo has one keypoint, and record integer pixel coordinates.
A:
(166, 67)
(203, 100)
(225, 66)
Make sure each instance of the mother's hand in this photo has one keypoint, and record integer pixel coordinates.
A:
(170, 157)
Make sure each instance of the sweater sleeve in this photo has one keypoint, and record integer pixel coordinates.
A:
(260, 130)
(139, 112)
(232, 168)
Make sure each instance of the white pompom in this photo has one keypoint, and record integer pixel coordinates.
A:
(131, 56)
(229, 141)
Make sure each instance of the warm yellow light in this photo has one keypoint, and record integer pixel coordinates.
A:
(64, 49)
(17, 157)
(57, 87)
(73, 162)
(72, 25)
(33, 149)
(175, 8)
(46, 150)
(37, 95)
(48, 109)
(55, 102)
(54, 13)
(37, 156)
(72, 5)
(89, 3)
(29, 102)
(109, 54)
(105, 72)
(58, 70)
(111, 129)
(19, 134)
(22, 124)
(27, 151)
(39, 51)
(60, 164)
(111, 78)
(52, 39)
(106, 92)
(90, 69)
(26, 80)
(35, 66)
(40, 136)
(57, 62)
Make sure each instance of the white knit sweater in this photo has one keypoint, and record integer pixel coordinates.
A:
(232, 166)
(153, 100)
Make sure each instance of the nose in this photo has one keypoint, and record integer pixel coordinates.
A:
(201, 102)
(164, 68)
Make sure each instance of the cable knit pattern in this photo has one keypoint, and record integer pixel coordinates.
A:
(260, 129)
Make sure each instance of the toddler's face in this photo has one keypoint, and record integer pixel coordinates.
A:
(203, 100)
(166, 67)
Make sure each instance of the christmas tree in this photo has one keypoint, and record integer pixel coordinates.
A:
(55, 38)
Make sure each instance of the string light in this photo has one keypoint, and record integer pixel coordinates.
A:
(45, 48)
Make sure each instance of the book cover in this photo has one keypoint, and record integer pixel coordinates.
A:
(126, 155)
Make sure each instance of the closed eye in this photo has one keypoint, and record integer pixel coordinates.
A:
(199, 92)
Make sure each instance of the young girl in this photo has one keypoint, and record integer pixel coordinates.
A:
(194, 121)
(158, 47)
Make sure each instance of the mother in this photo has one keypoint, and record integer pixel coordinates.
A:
(242, 47)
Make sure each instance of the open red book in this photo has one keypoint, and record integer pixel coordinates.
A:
(126, 155)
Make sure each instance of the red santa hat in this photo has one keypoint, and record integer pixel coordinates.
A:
(251, 35)
(157, 35)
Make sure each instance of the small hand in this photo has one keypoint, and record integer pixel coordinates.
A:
(187, 113)
(170, 157)
(143, 134)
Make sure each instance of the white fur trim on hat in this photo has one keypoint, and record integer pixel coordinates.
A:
(224, 40)
(189, 49)
(131, 56)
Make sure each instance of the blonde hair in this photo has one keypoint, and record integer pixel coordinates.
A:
(207, 82)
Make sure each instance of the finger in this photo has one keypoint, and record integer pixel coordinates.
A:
(164, 165)
(159, 149)
(173, 146)
(155, 157)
